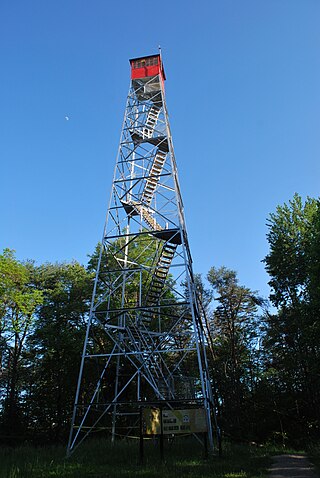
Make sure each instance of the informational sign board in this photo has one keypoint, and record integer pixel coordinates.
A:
(192, 420)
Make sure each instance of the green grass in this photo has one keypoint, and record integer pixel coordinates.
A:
(98, 459)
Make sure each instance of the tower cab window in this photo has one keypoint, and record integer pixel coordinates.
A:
(145, 62)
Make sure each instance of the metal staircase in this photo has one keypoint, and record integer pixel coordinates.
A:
(160, 274)
(151, 121)
(154, 176)
(145, 214)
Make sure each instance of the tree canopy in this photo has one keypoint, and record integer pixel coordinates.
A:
(293, 333)
(264, 363)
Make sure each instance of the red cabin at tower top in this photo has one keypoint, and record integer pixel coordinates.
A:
(147, 66)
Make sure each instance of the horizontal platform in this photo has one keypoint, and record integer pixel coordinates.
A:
(144, 308)
(160, 141)
(173, 403)
(169, 235)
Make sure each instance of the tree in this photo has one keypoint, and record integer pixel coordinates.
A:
(55, 346)
(234, 330)
(19, 302)
(293, 333)
(291, 239)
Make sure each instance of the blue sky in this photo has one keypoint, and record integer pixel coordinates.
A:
(244, 101)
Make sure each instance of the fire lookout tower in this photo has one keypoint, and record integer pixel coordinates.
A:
(145, 344)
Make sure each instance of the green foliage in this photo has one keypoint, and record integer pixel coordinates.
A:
(19, 302)
(55, 346)
(234, 330)
(18, 299)
(292, 346)
(43, 320)
(293, 238)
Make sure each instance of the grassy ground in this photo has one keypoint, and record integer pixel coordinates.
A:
(97, 459)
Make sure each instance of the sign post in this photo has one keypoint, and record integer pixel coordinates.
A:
(161, 434)
(141, 438)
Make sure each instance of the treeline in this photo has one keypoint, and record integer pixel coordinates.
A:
(264, 361)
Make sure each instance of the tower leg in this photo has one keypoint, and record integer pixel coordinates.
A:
(114, 412)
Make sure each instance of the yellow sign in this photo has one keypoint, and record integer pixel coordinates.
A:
(151, 421)
(192, 420)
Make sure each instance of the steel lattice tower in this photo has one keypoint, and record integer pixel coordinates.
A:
(145, 339)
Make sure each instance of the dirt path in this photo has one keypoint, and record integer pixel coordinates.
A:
(292, 466)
